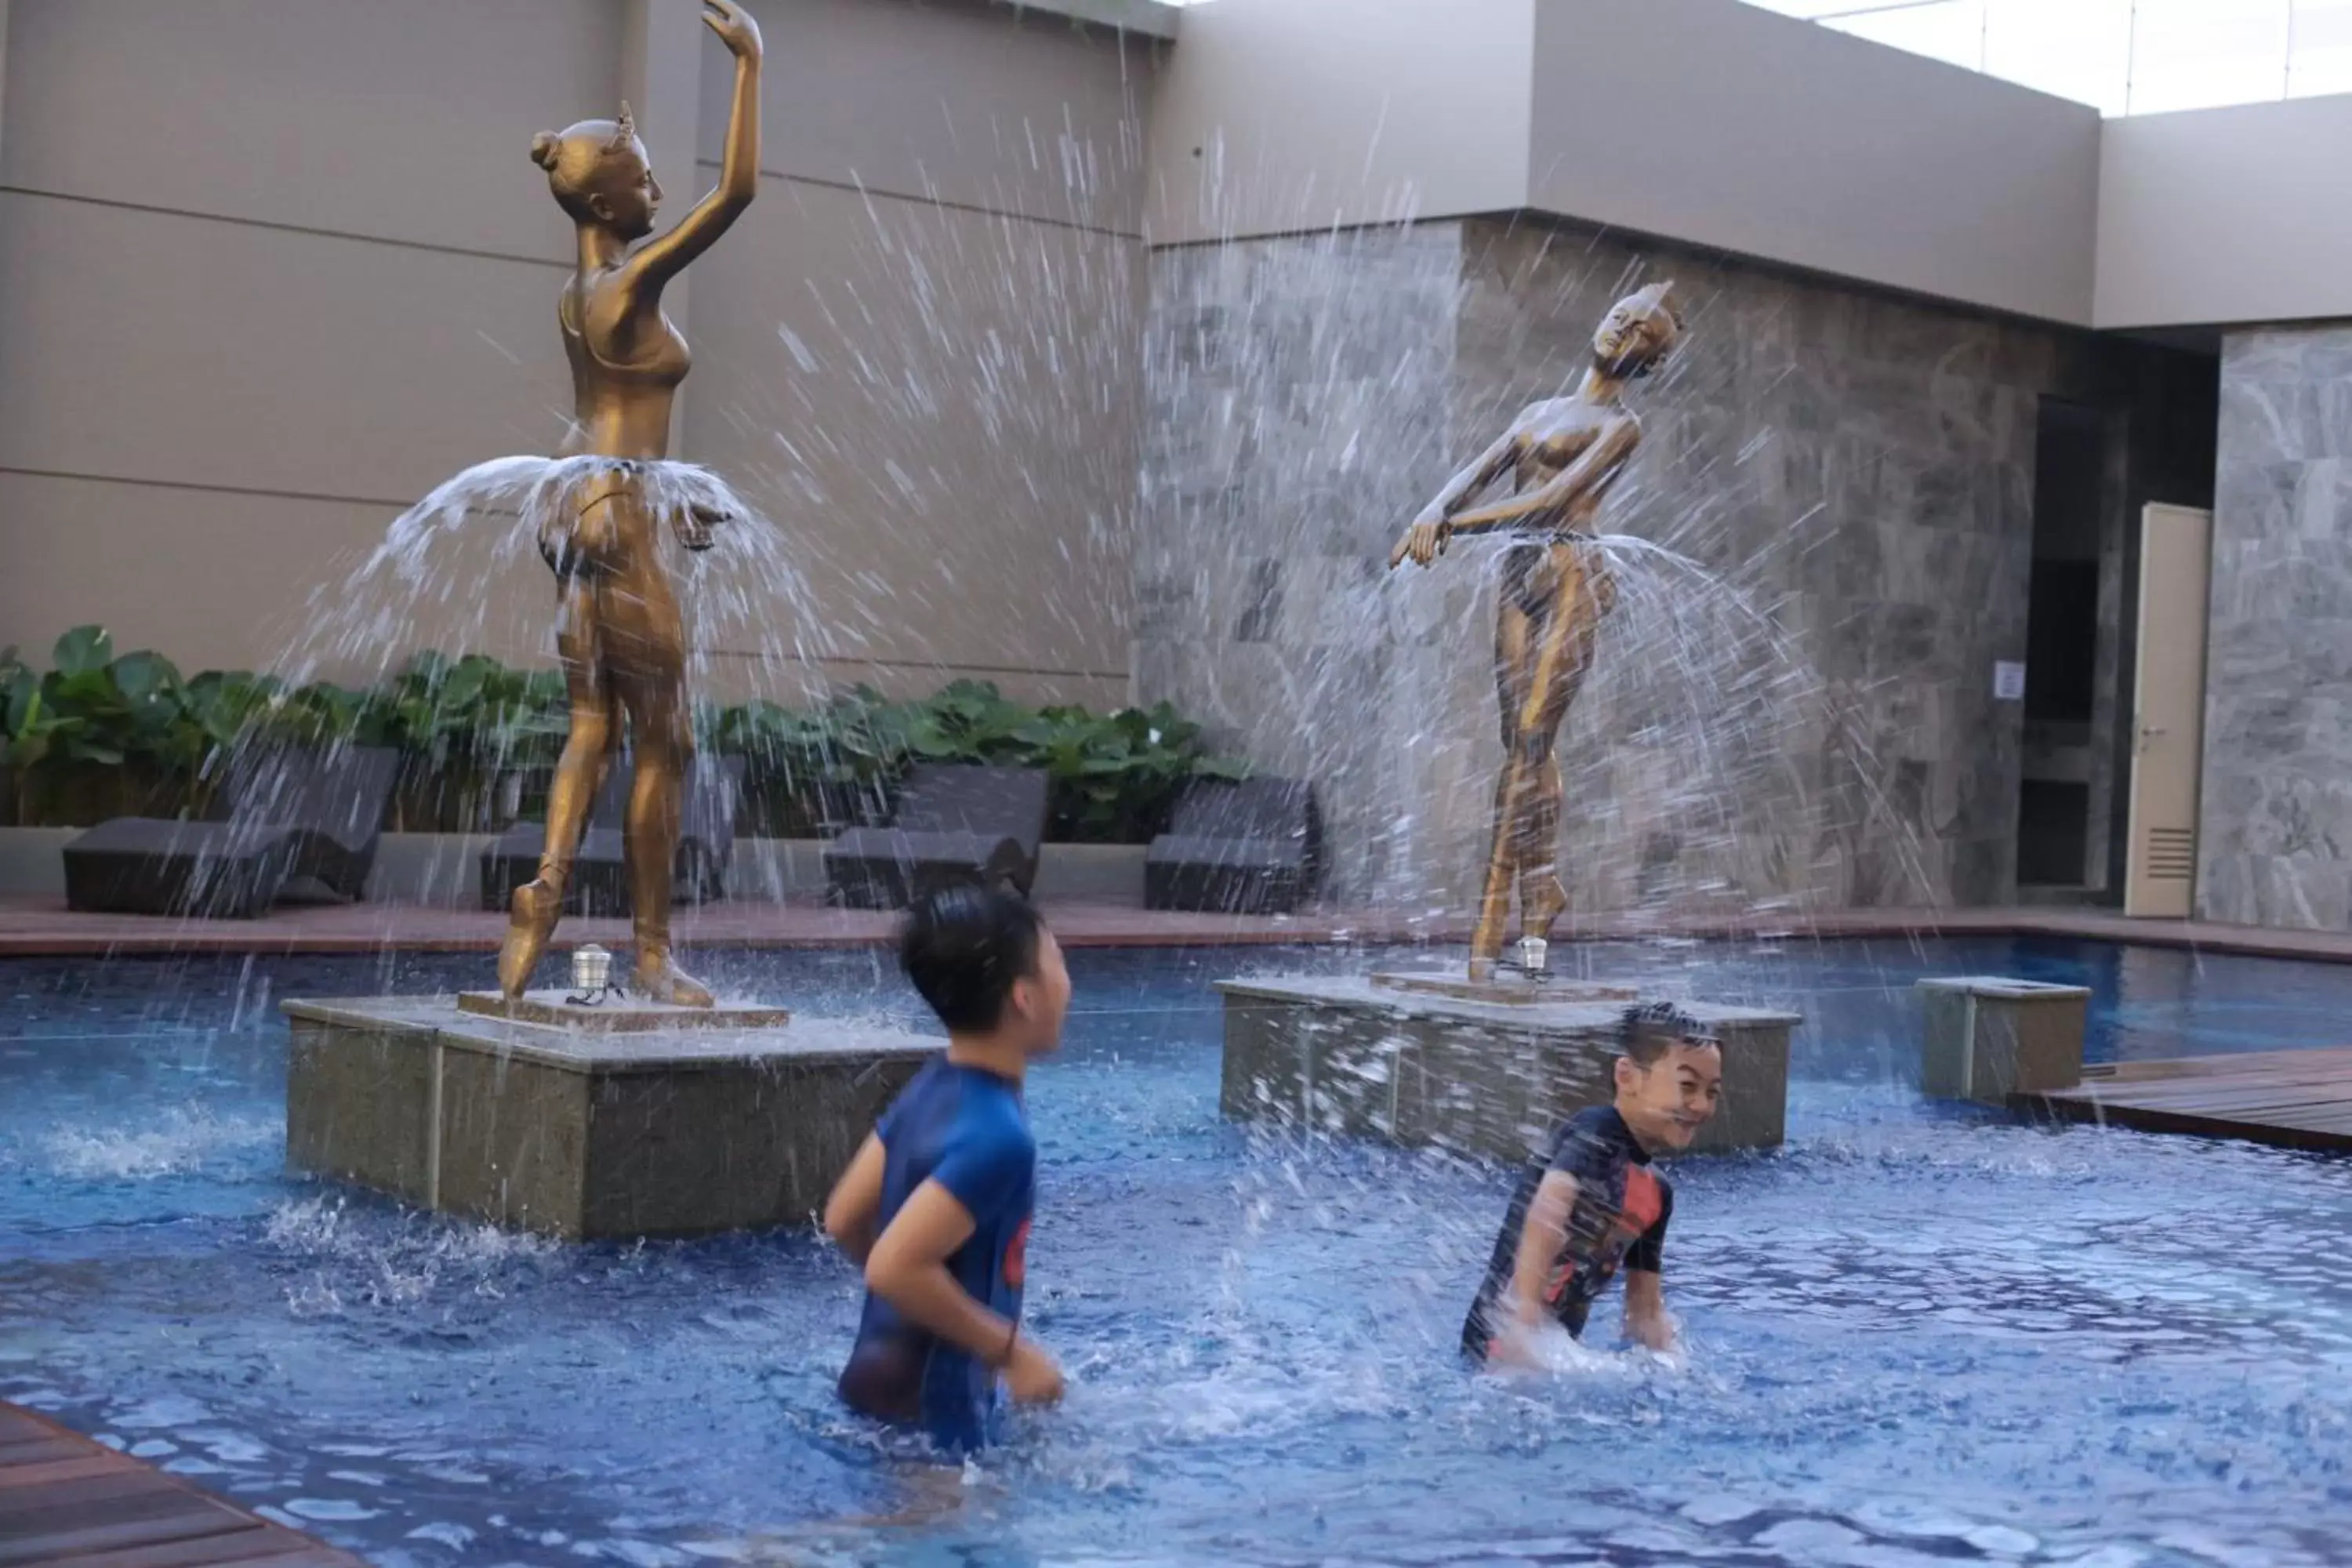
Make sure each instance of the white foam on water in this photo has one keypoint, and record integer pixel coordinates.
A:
(187, 1139)
(456, 1537)
(229, 1448)
(365, 1256)
(171, 1411)
(331, 1510)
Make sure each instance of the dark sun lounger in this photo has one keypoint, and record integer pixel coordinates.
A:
(292, 819)
(953, 825)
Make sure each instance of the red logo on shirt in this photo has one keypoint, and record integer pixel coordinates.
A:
(1644, 1203)
(1016, 1256)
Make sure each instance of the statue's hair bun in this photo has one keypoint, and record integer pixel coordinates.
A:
(544, 149)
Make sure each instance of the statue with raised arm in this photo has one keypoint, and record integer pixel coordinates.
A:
(1564, 455)
(619, 632)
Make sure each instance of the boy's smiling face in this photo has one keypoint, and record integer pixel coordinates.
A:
(1666, 1102)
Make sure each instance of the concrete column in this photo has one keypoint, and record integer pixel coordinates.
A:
(662, 55)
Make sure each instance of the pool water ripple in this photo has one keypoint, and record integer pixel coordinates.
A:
(1915, 1335)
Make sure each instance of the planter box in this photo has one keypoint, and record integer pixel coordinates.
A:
(774, 869)
(433, 870)
(440, 871)
(1097, 873)
(84, 794)
(443, 870)
(32, 861)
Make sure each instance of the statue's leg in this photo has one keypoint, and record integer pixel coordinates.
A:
(588, 750)
(649, 670)
(1516, 638)
(1566, 644)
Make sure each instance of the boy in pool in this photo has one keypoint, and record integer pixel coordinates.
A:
(1596, 1205)
(936, 1204)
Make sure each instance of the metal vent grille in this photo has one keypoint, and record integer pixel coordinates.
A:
(2171, 854)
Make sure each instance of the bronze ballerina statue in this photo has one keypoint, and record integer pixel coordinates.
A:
(1565, 454)
(619, 634)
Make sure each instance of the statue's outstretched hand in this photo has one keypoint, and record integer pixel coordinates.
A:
(1425, 542)
(734, 26)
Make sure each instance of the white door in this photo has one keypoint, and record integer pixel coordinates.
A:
(2176, 548)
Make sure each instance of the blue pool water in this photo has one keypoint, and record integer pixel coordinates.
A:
(1917, 1336)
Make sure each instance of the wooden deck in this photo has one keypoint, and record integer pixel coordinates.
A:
(69, 1502)
(2291, 1099)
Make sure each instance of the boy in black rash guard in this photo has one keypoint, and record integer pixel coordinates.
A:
(1595, 1205)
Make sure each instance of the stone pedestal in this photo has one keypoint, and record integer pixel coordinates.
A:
(616, 1016)
(1507, 988)
(1986, 1037)
(1344, 1056)
(701, 1125)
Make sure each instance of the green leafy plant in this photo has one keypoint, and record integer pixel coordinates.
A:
(1116, 777)
(102, 734)
(98, 735)
(800, 780)
(26, 727)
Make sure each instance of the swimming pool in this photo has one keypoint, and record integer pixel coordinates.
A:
(1918, 1335)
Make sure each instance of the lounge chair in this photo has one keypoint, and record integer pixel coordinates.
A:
(1253, 847)
(334, 809)
(600, 882)
(291, 819)
(953, 825)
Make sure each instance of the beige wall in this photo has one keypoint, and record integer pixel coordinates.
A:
(932, 328)
(228, 355)
(938, 409)
(1275, 116)
(401, 123)
(1709, 122)
(1723, 125)
(955, 100)
(2226, 215)
(269, 270)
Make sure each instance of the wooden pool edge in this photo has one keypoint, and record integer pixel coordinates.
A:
(68, 1501)
(2297, 1099)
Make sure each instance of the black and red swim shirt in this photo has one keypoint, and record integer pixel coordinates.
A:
(1618, 1221)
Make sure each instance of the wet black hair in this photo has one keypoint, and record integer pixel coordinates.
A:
(1649, 1028)
(964, 948)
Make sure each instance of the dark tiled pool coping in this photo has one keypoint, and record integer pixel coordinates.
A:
(45, 928)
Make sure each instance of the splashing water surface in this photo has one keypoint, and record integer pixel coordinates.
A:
(1914, 1336)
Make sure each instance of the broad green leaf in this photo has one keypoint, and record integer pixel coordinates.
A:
(82, 651)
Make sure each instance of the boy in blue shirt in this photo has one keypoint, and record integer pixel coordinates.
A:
(936, 1205)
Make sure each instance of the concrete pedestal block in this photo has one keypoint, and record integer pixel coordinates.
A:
(1986, 1037)
(1513, 988)
(585, 1135)
(1495, 1079)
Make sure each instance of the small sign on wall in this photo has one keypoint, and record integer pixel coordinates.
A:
(2008, 680)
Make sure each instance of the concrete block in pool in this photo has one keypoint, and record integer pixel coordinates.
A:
(585, 1135)
(1343, 1055)
(1986, 1037)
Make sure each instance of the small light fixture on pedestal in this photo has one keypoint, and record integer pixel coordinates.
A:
(592, 976)
(1534, 953)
